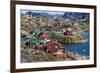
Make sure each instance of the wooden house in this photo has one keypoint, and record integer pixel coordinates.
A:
(52, 47)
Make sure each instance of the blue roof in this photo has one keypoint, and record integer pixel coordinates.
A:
(24, 37)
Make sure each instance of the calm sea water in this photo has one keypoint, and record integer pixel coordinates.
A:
(81, 48)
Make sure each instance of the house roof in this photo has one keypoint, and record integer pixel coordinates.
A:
(50, 43)
(43, 36)
(52, 47)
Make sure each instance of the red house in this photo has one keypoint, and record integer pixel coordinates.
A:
(68, 33)
(55, 47)
(52, 47)
(43, 36)
(60, 53)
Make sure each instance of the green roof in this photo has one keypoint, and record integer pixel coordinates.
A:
(34, 40)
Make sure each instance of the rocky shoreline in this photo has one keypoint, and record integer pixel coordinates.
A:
(33, 55)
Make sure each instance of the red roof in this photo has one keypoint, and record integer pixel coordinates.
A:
(52, 47)
(68, 33)
(43, 36)
(60, 56)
